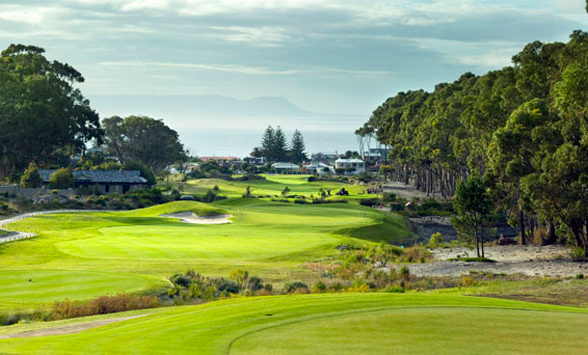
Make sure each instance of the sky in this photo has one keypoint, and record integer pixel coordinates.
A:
(325, 56)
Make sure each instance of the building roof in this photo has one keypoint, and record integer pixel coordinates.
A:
(101, 176)
(285, 166)
(348, 161)
(227, 158)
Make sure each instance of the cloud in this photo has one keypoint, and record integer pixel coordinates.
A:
(262, 36)
(230, 68)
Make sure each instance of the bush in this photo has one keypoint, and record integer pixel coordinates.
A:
(292, 286)
(395, 289)
(31, 177)
(436, 240)
(61, 179)
(369, 202)
(101, 305)
(319, 287)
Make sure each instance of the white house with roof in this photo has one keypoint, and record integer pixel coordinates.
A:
(351, 166)
(319, 169)
(286, 168)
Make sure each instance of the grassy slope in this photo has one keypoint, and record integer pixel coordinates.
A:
(333, 323)
(273, 185)
(81, 256)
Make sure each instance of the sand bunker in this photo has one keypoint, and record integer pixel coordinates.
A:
(191, 217)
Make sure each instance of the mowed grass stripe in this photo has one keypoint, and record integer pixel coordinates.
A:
(333, 323)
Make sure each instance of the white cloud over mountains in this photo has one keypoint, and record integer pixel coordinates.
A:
(325, 55)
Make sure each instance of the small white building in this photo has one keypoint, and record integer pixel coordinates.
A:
(286, 168)
(319, 169)
(351, 166)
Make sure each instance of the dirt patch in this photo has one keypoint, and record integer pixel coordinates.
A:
(70, 329)
(514, 259)
(191, 217)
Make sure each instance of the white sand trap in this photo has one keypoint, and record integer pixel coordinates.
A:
(191, 217)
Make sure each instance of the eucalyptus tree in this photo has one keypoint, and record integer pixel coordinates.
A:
(42, 113)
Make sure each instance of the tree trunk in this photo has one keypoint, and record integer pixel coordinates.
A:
(551, 236)
(477, 243)
(522, 226)
(482, 240)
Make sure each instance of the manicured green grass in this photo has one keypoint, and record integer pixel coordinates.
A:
(328, 324)
(79, 256)
(273, 185)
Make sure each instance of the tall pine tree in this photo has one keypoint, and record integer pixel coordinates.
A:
(280, 147)
(297, 148)
(267, 143)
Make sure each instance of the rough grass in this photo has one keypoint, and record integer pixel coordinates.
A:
(81, 256)
(331, 323)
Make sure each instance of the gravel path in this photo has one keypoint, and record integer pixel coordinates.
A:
(12, 236)
(70, 329)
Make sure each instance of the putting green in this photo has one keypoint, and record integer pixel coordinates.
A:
(326, 324)
(191, 242)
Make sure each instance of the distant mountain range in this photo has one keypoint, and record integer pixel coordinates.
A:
(161, 106)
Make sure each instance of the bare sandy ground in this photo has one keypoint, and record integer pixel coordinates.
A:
(510, 259)
(70, 329)
(191, 217)
(405, 191)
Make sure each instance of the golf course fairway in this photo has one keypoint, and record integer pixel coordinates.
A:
(85, 255)
(374, 323)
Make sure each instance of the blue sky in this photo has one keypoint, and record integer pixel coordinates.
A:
(323, 55)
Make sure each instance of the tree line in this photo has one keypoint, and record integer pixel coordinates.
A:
(274, 147)
(46, 120)
(523, 128)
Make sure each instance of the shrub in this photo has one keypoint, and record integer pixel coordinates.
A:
(101, 305)
(319, 287)
(580, 276)
(292, 286)
(61, 179)
(436, 240)
(404, 272)
(31, 177)
(395, 289)
(467, 281)
(369, 202)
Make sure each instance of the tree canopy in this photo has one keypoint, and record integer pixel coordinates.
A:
(524, 127)
(42, 115)
(274, 147)
(143, 139)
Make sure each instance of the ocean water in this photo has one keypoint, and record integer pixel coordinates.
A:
(240, 142)
(237, 136)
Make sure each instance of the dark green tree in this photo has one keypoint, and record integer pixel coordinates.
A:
(280, 147)
(143, 139)
(267, 144)
(297, 148)
(42, 110)
(61, 179)
(474, 210)
(31, 176)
